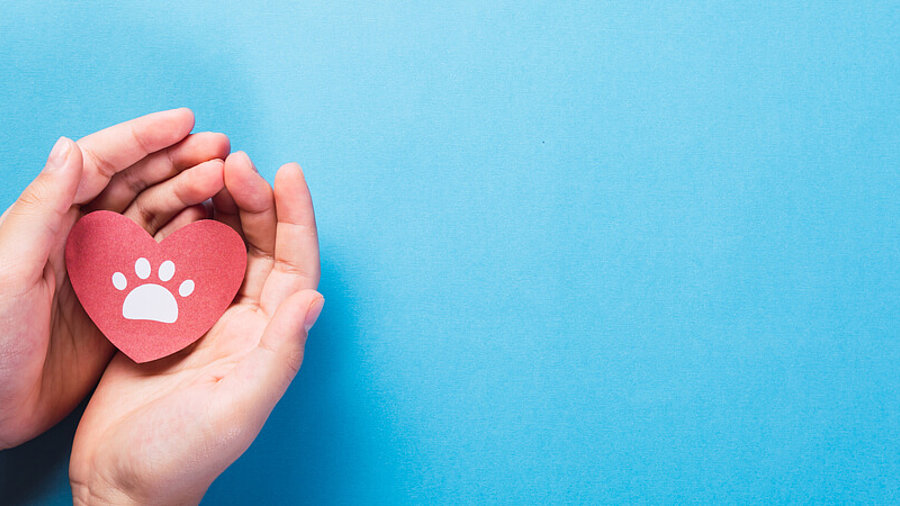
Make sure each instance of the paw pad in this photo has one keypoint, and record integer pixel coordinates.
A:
(151, 301)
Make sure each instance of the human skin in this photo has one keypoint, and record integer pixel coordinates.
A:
(158, 432)
(51, 354)
(161, 432)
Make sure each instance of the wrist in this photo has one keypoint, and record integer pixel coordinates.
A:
(84, 495)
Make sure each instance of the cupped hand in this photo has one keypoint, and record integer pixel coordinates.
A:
(149, 169)
(160, 432)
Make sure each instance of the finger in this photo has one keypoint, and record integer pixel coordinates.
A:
(226, 211)
(156, 205)
(256, 209)
(158, 167)
(113, 149)
(259, 380)
(37, 220)
(296, 241)
(185, 217)
(254, 200)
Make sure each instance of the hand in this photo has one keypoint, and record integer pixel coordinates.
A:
(51, 354)
(161, 432)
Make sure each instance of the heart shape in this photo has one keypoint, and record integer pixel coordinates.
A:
(152, 299)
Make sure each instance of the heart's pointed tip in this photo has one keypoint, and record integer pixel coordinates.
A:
(136, 360)
(143, 355)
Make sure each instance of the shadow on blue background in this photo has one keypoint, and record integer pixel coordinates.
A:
(581, 252)
(330, 416)
(38, 470)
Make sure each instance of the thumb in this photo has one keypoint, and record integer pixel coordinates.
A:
(34, 223)
(261, 378)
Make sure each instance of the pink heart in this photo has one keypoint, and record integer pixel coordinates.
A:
(152, 299)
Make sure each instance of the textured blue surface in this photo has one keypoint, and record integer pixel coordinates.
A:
(573, 251)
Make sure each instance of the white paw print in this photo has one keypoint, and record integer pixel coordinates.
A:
(151, 301)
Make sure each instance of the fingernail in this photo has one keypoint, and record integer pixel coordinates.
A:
(58, 154)
(312, 313)
(245, 158)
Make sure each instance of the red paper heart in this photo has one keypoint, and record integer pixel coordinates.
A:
(152, 299)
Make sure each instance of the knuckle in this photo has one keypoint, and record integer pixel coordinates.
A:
(293, 360)
(287, 358)
(103, 166)
(35, 195)
(148, 219)
(133, 183)
(290, 267)
(139, 140)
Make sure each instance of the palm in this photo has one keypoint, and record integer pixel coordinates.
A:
(48, 382)
(71, 334)
(166, 405)
(180, 420)
(71, 325)
(52, 353)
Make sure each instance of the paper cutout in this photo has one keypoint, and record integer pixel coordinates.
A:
(153, 299)
(150, 301)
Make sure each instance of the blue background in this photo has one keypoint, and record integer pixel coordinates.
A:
(572, 251)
